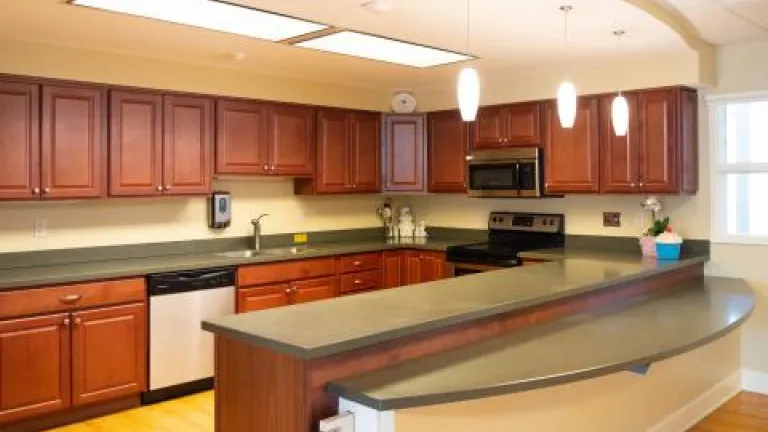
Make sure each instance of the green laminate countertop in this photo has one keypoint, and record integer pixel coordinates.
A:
(587, 345)
(327, 327)
(30, 276)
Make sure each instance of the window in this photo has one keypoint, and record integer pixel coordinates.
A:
(740, 162)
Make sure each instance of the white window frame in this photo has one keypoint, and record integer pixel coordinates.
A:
(717, 147)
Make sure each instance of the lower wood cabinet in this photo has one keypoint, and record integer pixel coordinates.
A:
(51, 362)
(360, 281)
(392, 269)
(272, 296)
(109, 354)
(313, 290)
(423, 266)
(34, 366)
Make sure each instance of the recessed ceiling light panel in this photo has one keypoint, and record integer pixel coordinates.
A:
(213, 15)
(382, 49)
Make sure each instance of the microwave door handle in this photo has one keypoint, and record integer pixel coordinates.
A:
(517, 178)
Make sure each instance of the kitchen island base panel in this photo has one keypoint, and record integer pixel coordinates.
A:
(254, 383)
(70, 416)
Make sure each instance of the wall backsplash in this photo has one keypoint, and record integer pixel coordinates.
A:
(139, 220)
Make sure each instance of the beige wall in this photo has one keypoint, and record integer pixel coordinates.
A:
(620, 402)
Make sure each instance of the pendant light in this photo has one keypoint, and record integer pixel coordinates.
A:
(620, 107)
(566, 93)
(468, 89)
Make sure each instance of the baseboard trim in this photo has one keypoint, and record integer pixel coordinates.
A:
(694, 411)
(754, 381)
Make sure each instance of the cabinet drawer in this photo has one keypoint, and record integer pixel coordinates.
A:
(361, 281)
(71, 297)
(285, 271)
(359, 262)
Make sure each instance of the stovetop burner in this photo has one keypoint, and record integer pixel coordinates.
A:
(508, 235)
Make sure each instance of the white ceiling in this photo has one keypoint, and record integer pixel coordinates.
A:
(726, 21)
(504, 34)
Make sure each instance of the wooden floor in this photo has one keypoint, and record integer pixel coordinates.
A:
(189, 414)
(746, 412)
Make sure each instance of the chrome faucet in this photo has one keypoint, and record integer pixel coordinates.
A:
(257, 232)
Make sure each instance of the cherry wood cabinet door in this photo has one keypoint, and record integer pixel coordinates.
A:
(242, 137)
(314, 289)
(34, 366)
(572, 156)
(412, 268)
(19, 141)
(448, 144)
(433, 266)
(490, 128)
(658, 141)
(524, 124)
(688, 136)
(263, 297)
(333, 152)
(392, 269)
(135, 144)
(619, 154)
(109, 353)
(292, 144)
(404, 151)
(187, 141)
(73, 144)
(365, 139)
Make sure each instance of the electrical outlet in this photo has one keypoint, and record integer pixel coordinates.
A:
(612, 219)
(41, 228)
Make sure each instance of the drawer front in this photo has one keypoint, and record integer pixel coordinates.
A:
(361, 281)
(266, 297)
(71, 297)
(359, 262)
(285, 271)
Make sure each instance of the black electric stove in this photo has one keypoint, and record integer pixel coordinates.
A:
(509, 234)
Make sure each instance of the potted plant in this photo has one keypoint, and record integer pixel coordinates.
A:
(658, 226)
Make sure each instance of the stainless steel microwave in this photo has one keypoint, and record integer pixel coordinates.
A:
(505, 173)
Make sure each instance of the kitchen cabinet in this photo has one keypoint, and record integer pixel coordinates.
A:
(359, 272)
(447, 144)
(72, 142)
(507, 125)
(659, 153)
(572, 156)
(404, 153)
(159, 145)
(135, 144)
(109, 353)
(19, 141)
(187, 145)
(392, 269)
(313, 290)
(261, 138)
(423, 266)
(34, 366)
(348, 154)
(272, 296)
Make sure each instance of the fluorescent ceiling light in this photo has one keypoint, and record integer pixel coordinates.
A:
(213, 15)
(382, 49)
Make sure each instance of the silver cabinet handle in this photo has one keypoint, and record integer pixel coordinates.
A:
(357, 263)
(266, 167)
(70, 298)
(159, 188)
(65, 323)
(78, 321)
(167, 187)
(633, 185)
(642, 184)
(36, 191)
(287, 290)
(358, 281)
(469, 158)
(46, 190)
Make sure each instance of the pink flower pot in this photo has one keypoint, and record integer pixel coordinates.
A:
(648, 246)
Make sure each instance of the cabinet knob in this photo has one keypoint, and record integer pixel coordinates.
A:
(78, 321)
(70, 298)
(159, 188)
(65, 323)
(469, 158)
(642, 184)
(633, 185)
(167, 187)
(266, 167)
(357, 263)
(358, 281)
(287, 290)
(46, 190)
(36, 191)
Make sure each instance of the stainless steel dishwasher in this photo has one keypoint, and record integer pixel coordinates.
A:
(180, 352)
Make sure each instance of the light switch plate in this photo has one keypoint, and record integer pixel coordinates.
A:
(612, 219)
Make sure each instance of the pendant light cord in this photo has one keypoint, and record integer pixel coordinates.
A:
(619, 35)
(467, 27)
(567, 10)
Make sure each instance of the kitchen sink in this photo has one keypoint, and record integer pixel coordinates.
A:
(250, 253)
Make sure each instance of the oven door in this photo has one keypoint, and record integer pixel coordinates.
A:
(488, 179)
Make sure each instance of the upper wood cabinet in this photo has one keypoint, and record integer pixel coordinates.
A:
(348, 153)
(659, 153)
(73, 149)
(187, 145)
(262, 138)
(507, 125)
(572, 156)
(34, 366)
(159, 145)
(404, 153)
(135, 144)
(448, 145)
(19, 140)
(109, 353)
